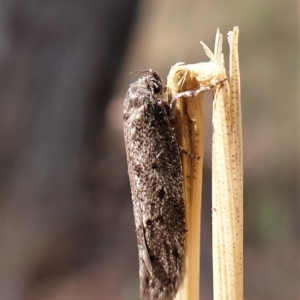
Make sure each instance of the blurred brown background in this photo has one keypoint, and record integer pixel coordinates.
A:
(66, 222)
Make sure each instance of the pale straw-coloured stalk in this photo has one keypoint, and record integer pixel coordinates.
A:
(227, 182)
(189, 127)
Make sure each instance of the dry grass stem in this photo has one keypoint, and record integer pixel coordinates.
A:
(189, 127)
(227, 162)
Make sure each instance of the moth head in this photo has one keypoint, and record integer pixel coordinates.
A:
(156, 84)
(154, 81)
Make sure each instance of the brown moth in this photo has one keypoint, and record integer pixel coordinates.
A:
(156, 182)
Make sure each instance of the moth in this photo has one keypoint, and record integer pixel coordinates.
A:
(156, 181)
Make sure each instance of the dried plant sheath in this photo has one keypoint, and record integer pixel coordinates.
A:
(156, 181)
(187, 83)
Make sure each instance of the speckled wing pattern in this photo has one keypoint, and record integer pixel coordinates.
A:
(156, 181)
